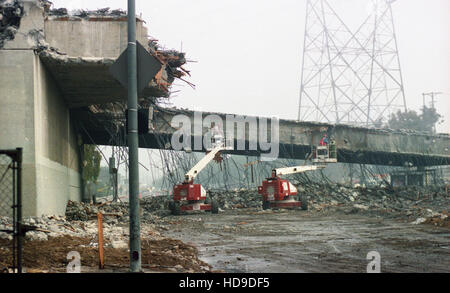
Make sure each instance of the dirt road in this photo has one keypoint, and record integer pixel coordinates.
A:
(247, 240)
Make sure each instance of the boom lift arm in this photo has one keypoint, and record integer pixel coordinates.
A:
(191, 174)
(293, 170)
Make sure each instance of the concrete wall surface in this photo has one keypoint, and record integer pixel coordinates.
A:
(91, 38)
(33, 115)
(57, 173)
(17, 116)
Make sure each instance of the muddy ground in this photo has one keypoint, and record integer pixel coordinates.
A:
(50, 256)
(335, 240)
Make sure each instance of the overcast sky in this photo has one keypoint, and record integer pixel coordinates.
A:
(248, 52)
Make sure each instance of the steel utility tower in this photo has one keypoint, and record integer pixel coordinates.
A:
(350, 77)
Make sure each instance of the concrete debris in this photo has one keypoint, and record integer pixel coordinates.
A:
(58, 11)
(115, 212)
(419, 221)
(41, 228)
(415, 205)
(50, 255)
(360, 206)
(82, 13)
(79, 228)
(173, 58)
(236, 199)
(41, 45)
(77, 211)
(11, 12)
(409, 202)
(174, 61)
(46, 5)
(119, 244)
(227, 200)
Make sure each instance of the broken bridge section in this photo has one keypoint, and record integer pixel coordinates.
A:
(355, 144)
(52, 61)
(88, 43)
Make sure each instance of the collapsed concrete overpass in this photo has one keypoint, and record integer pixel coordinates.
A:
(54, 71)
(355, 144)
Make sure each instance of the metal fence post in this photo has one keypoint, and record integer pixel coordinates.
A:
(19, 210)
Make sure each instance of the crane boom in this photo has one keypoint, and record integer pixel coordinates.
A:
(293, 170)
(191, 174)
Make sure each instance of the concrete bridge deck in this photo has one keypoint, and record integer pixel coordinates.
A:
(355, 144)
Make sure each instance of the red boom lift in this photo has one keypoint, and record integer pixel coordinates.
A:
(280, 193)
(189, 196)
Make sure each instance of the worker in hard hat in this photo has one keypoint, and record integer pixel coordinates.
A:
(217, 138)
(324, 140)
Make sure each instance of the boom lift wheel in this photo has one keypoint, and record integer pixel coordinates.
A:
(266, 205)
(171, 206)
(304, 203)
(176, 208)
(214, 206)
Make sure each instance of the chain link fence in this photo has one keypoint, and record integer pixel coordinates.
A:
(11, 207)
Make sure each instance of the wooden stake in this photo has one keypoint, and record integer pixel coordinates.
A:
(101, 256)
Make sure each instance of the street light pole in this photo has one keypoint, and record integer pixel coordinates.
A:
(133, 142)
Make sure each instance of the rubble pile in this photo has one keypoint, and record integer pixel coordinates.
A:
(226, 200)
(79, 230)
(155, 204)
(46, 227)
(413, 202)
(117, 212)
(80, 219)
(50, 254)
(11, 11)
(428, 204)
(237, 199)
(418, 204)
(78, 211)
(397, 198)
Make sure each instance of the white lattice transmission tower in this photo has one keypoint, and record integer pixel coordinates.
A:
(350, 76)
